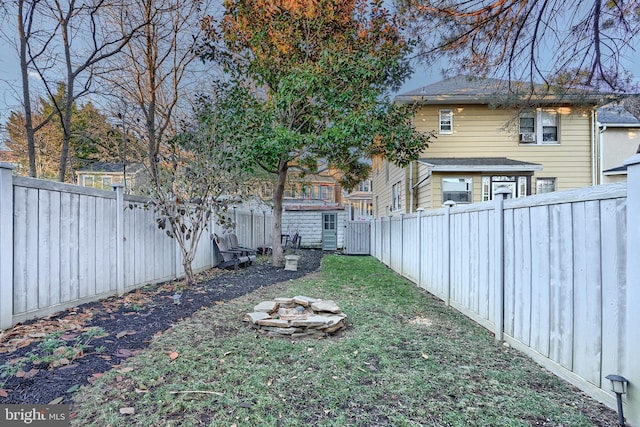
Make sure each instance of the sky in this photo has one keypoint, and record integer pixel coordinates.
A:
(10, 85)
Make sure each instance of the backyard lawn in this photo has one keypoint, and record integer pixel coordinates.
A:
(403, 360)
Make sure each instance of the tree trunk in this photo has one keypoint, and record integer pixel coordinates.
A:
(188, 270)
(65, 116)
(276, 245)
(24, 71)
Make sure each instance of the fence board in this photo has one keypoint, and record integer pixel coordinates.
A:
(20, 260)
(522, 273)
(65, 247)
(74, 253)
(587, 347)
(614, 278)
(509, 271)
(540, 297)
(484, 260)
(31, 255)
(41, 260)
(561, 286)
(54, 248)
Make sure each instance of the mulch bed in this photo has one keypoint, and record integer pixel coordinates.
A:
(130, 323)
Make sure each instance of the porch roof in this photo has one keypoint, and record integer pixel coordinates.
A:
(478, 164)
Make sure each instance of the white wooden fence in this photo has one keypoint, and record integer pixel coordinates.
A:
(554, 275)
(62, 245)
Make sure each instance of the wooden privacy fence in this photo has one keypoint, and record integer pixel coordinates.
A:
(62, 245)
(357, 239)
(554, 275)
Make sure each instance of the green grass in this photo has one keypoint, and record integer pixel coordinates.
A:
(386, 368)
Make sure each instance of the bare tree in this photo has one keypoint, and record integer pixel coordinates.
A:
(152, 76)
(578, 44)
(33, 42)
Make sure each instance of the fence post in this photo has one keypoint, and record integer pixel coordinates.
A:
(6, 245)
(119, 189)
(419, 240)
(499, 196)
(390, 245)
(402, 244)
(447, 251)
(632, 342)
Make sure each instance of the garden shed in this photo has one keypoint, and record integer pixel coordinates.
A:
(319, 226)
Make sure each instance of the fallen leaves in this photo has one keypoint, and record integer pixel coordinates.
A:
(30, 374)
(124, 353)
(124, 334)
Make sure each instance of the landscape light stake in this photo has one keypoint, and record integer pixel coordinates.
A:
(619, 387)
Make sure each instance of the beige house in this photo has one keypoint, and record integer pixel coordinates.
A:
(619, 140)
(102, 175)
(487, 138)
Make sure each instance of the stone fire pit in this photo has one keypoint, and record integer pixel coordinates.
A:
(297, 317)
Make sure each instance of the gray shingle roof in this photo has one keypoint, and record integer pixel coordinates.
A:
(615, 114)
(478, 164)
(476, 90)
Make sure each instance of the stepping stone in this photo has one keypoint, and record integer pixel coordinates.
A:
(266, 307)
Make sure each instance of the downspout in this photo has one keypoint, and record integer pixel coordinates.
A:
(594, 173)
(411, 187)
(601, 147)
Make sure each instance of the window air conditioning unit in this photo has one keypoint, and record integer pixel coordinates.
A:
(528, 137)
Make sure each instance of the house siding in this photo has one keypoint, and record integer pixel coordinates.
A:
(483, 131)
(480, 131)
(382, 188)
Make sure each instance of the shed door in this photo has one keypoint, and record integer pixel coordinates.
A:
(329, 232)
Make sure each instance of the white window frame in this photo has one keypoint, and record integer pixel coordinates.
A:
(541, 122)
(445, 121)
(546, 185)
(396, 196)
(466, 182)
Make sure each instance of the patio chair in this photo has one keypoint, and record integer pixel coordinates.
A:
(230, 257)
(233, 241)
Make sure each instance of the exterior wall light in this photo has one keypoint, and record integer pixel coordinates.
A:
(619, 387)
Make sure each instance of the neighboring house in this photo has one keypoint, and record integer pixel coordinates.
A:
(487, 137)
(359, 202)
(102, 175)
(313, 188)
(619, 140)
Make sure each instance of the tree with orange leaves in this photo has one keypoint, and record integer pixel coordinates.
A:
(310, 84)
(574, 44)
